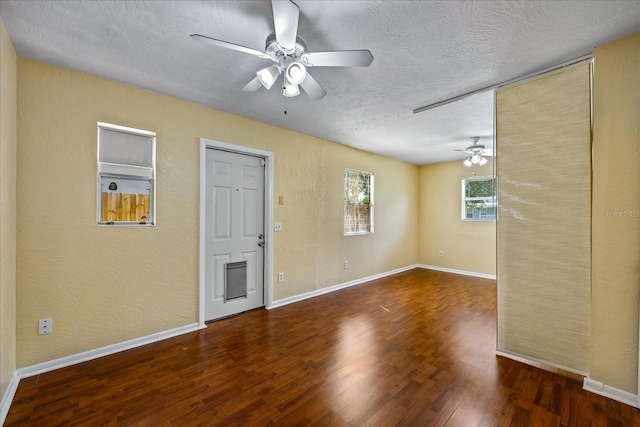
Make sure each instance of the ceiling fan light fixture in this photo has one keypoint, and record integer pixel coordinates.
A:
(289, 52)
(290, 89)
(295, 72)
(268, 76)
(474, 153)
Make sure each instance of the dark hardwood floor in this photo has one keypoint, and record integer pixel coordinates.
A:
(413, 349)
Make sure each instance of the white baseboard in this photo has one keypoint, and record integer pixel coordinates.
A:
(7, 397)
(322, 291)
(85, 356)
(611, 392)
(453, 270)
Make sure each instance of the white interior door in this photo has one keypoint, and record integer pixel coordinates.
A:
(234, 232)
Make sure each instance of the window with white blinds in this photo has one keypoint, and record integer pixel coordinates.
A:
(126, 175)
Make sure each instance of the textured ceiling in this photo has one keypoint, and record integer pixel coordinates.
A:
(424, 52)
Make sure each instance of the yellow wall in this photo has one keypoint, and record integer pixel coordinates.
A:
(467, 245)
(311, 249)
(106, 285)
(616, 214)
(8, 141)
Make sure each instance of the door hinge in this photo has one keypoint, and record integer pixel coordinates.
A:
(262, 162)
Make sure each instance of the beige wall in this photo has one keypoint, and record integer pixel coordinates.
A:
(616, 215)
(106, 285)
(467, 245)
(8, 141)
(311, 249)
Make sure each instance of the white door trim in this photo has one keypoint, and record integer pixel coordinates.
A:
(268, 217)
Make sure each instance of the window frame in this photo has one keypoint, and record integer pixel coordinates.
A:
(464, 199)
(371, 203)
(106, 170)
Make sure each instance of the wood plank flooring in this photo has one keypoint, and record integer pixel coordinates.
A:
(413, 349)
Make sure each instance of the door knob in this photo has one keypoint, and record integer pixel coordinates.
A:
(261, 244)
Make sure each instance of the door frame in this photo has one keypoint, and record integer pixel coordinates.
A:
(268, 216)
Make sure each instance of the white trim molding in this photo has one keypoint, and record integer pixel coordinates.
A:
(454, 271)
(7, 397)
(63, 362)
(602, 389)
(322, 291)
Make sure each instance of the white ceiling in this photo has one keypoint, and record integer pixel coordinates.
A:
(424, 52)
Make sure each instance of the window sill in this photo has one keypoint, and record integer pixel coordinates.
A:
(358, 233)
(126, 224)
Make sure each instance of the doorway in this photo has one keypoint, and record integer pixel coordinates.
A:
(235, 241)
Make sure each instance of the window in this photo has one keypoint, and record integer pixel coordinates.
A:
(479, 198)
(358, 202)
(126, 176)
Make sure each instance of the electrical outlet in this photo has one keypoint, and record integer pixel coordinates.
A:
(280, 277)
(441, 253)
(277, 226)
(346, 265)
(45, 326)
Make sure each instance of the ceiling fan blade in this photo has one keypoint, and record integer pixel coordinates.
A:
(253, 85)
(227, 45)
(338, 58)
(313, 89)
(285, 20)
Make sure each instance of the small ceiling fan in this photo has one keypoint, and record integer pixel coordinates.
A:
(476, 153)
(288, 52)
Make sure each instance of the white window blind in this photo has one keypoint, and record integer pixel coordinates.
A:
(125, 148)
(125, 151)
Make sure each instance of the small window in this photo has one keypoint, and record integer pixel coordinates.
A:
(126, 176)
(479, 198)
(358, 202)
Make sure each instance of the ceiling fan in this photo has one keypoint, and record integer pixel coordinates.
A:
(288, 52)
(475, 153)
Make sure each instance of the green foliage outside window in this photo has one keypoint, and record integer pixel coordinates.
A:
(479, 198)
(358, 202)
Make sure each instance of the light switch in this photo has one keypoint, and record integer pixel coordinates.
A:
(277, 226)
(281, 200)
